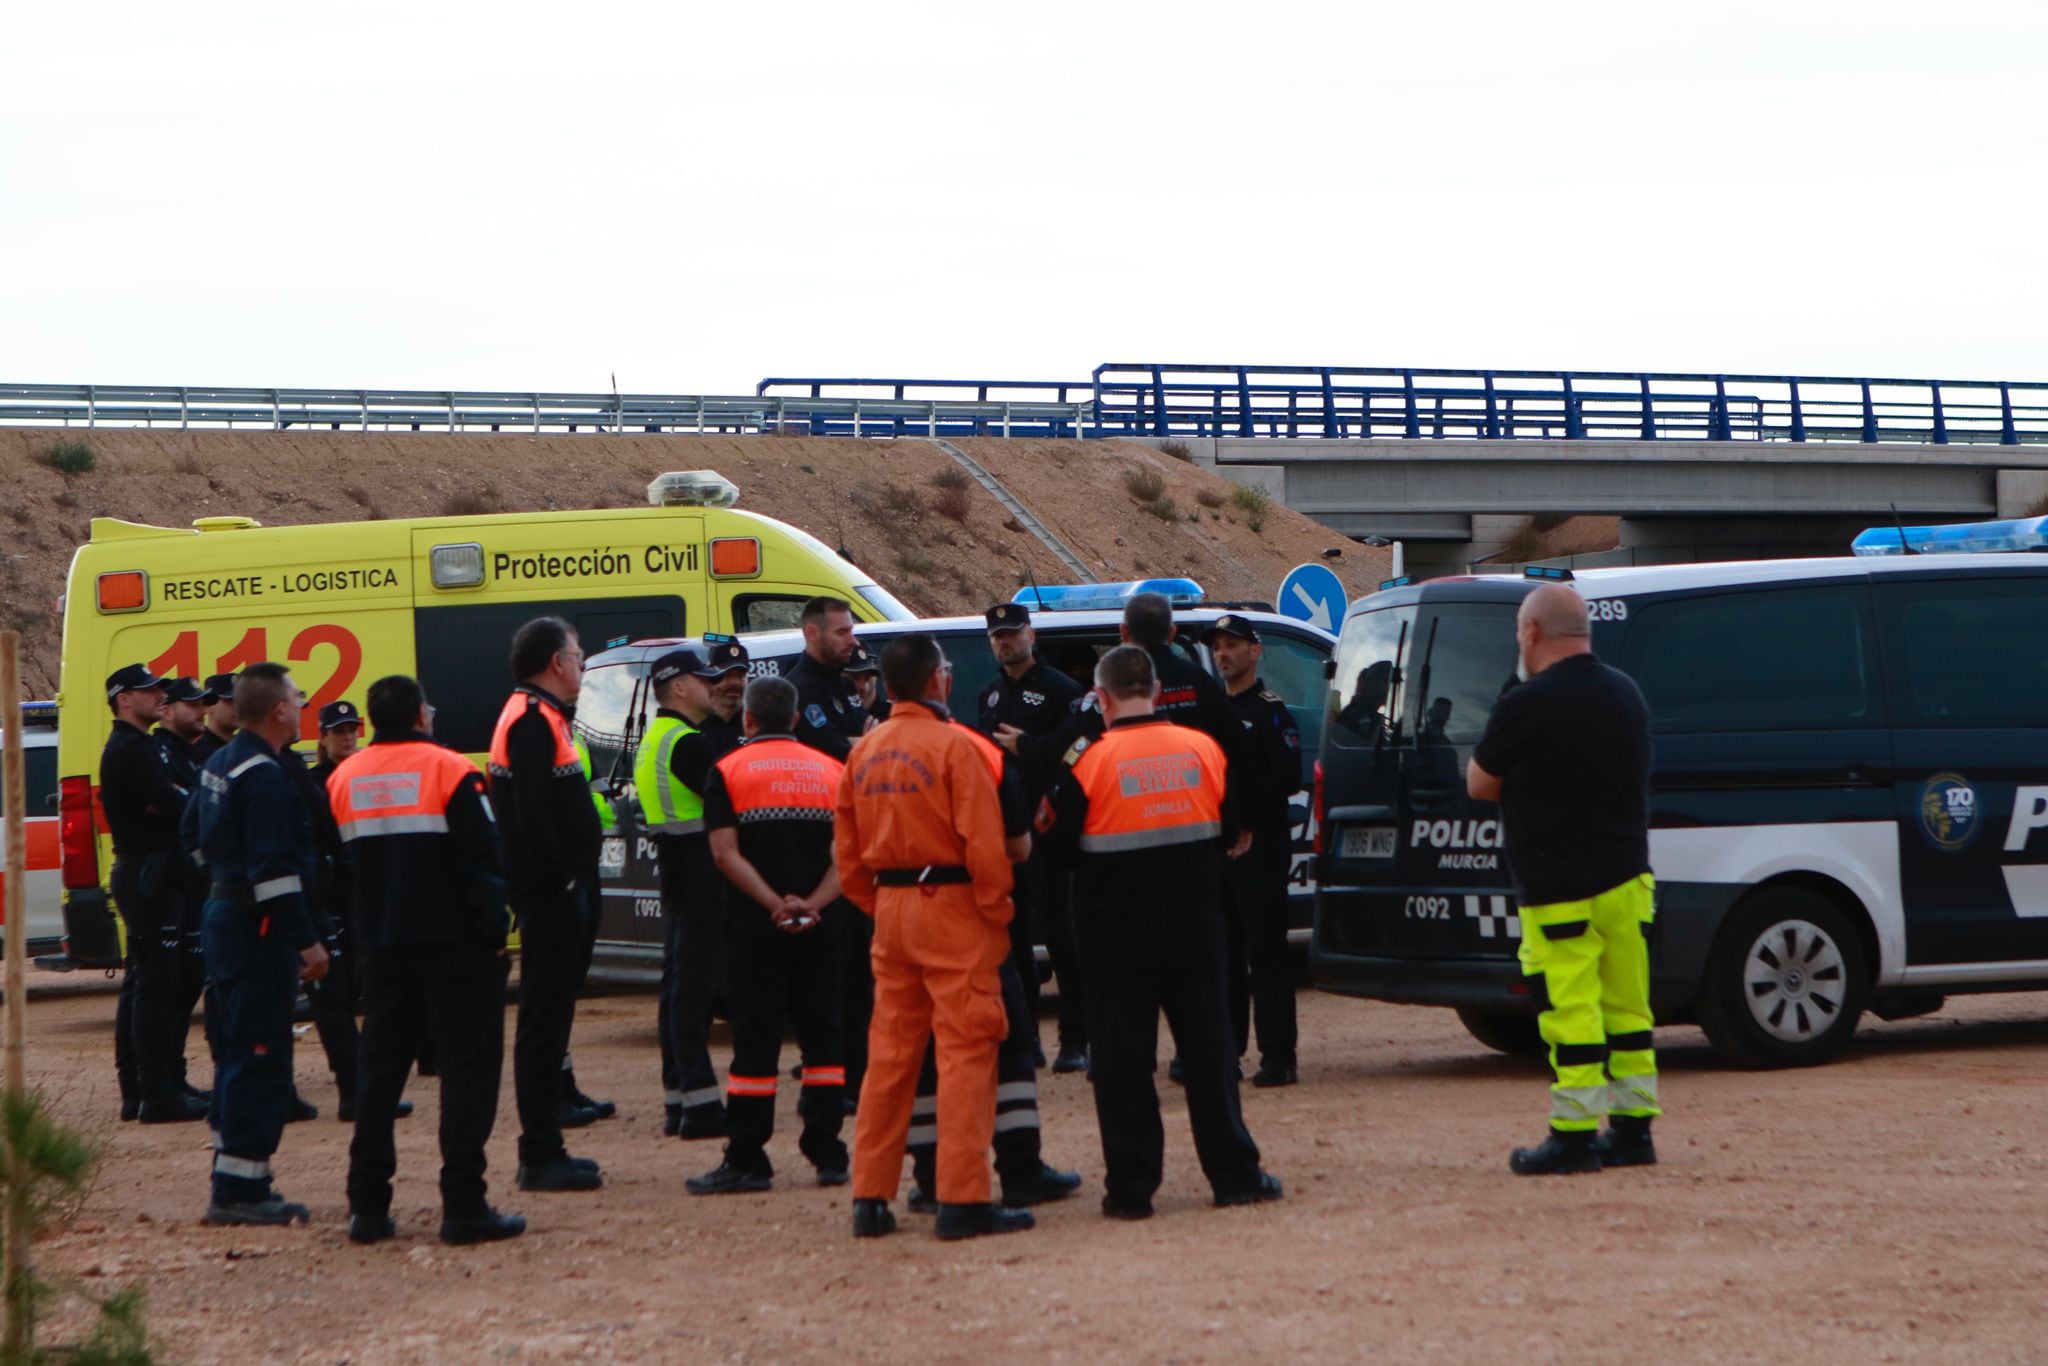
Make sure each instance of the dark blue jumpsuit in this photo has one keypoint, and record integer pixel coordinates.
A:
(249, 821)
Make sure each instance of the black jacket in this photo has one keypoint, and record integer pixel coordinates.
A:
(1272, 761)
(1039, 705)
(431, 888)
(140, 793)
(829, 716)
(547, 820)
(250, 821)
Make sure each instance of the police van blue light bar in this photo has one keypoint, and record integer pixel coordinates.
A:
(1960, 538)
(1552, 572)
(1111, 597)
(1401, 582)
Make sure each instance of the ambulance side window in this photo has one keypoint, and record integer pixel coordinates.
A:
(767, 612)
(465, 649)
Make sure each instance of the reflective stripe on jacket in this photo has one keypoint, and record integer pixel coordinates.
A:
(779, 778)
(523, 700)
(400, 789)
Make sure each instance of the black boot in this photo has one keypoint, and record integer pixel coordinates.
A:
(371, 1228)
(1071, 1058)
(561, 1173)
(1042, 1187)
(972, 1221)
(726, 1179)
(1560, 1154)
(871, 1219)
(300, 1109)
(480, 1226)
(176, 1108)
(604, 1109)
(1626, 1143)
(671, 1120)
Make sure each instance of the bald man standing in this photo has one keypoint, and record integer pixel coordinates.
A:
(1567, 755)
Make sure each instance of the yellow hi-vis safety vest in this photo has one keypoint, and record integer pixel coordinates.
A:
(606, 817)
(667, 805)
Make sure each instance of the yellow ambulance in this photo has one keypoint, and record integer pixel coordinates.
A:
(346, 603)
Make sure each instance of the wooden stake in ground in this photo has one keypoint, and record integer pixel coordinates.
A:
(13, 792)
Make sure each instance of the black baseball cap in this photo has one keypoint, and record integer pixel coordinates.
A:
(674, 665)
(1007, 616)
(1231, 625)
(221, 686)
(337, 714)
(722, 657)
(186, 690)
(862, 661)
(132, 678)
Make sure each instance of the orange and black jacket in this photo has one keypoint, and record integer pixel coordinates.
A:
(546, 821)
(777, 794)
(1143, 813)
(415, 828)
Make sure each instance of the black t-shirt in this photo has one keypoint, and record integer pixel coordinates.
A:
(1572, 750)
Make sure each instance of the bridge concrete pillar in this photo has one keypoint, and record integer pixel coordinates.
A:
(2022, 493)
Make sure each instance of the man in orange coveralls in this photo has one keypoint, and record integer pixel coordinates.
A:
(919, 842)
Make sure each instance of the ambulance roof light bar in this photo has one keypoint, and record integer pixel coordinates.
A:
(692, 489)
(2021, 534)
(1107, 597)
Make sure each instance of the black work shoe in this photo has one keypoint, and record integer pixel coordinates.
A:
(584, 1164)
(575, 1117)
(1042, 1187)
(833, 1176)
(1114, 1208)
(871, 1219)
(1626, 1143)
(1266, 1188)
(345, 1110)
(487, 1226)
(726, 1179)
(1276, 1074)
(272, 1211)
(694, 1127)
(1559, 1154)
(203, 1097)
(972, 1221)
(175, 1109)
(922, 1201)
(130, 1108)
(1070, 1060)
(371, 1228)
(559, 1174)
(671, 1120)
(603, 1109)
(300, 1110)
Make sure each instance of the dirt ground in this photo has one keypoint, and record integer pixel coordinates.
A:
(1888, 1207)
(876, 501)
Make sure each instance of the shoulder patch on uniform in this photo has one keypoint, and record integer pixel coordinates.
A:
(1073, 754)
(815, 714)
(1269, 695)
(995, 698)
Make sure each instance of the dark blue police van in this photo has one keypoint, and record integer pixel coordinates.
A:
(1850, 791)
(615, 708)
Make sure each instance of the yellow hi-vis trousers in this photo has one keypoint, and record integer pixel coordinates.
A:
(1595, 971)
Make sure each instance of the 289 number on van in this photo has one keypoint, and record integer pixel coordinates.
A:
(1607, 609)
(1428, 908)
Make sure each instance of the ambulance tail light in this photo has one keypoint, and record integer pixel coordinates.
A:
(1316, 806)
(735, 557)
(125, 590)
(692, 489)
(78, 838)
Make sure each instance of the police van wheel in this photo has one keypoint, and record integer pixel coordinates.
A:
(1787, 982)
(1504, 1031)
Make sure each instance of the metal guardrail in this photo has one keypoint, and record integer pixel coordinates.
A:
(111, 405)
(1377, 402)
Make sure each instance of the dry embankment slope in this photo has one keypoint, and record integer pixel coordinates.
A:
(886, 503)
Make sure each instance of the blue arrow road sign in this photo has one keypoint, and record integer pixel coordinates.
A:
(1313, 594)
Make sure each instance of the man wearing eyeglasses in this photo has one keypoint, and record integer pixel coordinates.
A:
(552, 840)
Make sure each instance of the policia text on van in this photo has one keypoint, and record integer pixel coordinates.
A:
(1849, 806)
(434, 598)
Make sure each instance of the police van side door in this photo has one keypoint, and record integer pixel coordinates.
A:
(1966, 667)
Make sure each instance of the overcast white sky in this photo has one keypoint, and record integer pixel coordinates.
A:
(696, 196)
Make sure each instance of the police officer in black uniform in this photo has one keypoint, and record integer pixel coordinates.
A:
(185, 705)
(220, 722)
(829, 718)
(1260, 968)
(143, 802)
(249, 820)
(1024, 710)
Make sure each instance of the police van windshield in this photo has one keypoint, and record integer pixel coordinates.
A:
(1406, 674)
(1366, 690)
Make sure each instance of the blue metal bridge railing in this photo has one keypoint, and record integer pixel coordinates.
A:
(1056, 408)
(1383, 402)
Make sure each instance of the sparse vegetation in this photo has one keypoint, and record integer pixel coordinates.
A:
(188, 463)
(952, 501)
(1209, 497)
(1178, 449)
(65, 498)
(901, 503)
(1144, 484)
(1012, 524)
(1257, 525)
(1163, 508)
(69, 457)
(915, 563)
(1250, 498)
(474, 502)
(952, 477)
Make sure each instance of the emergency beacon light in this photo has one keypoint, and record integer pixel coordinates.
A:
(1975, 538)
(1081, 597)
(692, 489)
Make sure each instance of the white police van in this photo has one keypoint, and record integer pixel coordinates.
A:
(1850, 790)
(1073, 632)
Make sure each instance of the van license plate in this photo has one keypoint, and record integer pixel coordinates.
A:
(1370, 841)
